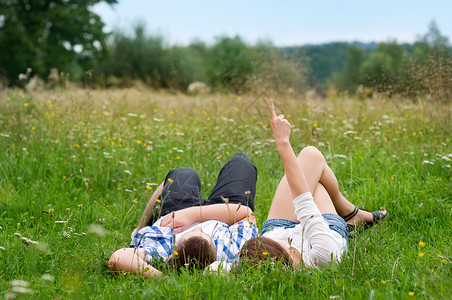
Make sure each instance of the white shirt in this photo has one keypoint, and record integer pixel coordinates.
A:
(312, 237)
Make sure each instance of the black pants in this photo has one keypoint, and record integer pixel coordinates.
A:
(182, 187)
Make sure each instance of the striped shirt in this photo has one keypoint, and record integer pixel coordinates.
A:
(159, 242)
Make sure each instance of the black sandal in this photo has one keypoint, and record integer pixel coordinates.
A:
(377, 217)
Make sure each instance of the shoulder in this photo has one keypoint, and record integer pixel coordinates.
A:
(150, 231)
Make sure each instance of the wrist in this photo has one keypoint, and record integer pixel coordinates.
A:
(282, 144)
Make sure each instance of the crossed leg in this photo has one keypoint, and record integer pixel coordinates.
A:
(323, 186)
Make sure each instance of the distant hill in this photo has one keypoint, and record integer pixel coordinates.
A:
(324, 60)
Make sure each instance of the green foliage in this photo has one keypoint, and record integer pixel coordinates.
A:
(353, 75)
(401, 69)
(49, 34)
(231, 63)
(383, 66)
(277, 71)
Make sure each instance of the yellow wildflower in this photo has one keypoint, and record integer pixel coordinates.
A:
(422, 244)
(175, 253)
(421, 254)
(158, 200)
(384, 282)
(170, 180)
(411, 293)
(264, 253)
(314, 125)
(148, 187)
(134, 201)
(26, 104)
(139, 142)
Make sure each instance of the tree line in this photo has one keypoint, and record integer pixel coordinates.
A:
(53, 42)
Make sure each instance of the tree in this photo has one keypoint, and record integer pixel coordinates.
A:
(382, 68)
(46, 34)
(230, 65)
(352, 76)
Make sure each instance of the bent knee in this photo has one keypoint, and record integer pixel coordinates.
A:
(311, 152)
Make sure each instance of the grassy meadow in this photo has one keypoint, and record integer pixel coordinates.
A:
(78, 166)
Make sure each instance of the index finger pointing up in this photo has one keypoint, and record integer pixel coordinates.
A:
(272, 109)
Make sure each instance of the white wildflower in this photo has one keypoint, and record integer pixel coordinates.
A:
(22, 290)
(444, 157)
(2, 248)
(4, 135)
(427, 162)
(18, 282)
(350, 132)
(47, 277)
(132, 115)
(128, 172)
(28, 241)
(97, 230)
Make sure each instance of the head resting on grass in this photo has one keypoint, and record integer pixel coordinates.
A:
(195, 250)
(260, 249)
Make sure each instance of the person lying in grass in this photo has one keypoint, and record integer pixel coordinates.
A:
(304, 224)
(193, 232)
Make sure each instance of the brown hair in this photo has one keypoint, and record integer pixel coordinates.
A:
(193, 253)
(259, 249)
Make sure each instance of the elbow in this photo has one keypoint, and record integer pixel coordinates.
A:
(250, 216)
(324, 256)
(113, 261)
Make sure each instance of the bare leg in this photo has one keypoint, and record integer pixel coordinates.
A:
(317, 172)
(132, 260)
(323, 200)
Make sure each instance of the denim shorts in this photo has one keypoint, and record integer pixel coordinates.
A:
(335, 223)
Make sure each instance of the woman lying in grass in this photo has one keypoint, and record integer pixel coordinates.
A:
(304, 224)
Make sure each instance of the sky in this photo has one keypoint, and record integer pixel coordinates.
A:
(284, 22)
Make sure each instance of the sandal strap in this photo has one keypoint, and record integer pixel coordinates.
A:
(351, 215)
(378, 216)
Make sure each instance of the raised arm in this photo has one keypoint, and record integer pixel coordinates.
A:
(227, 213)
(281, 132)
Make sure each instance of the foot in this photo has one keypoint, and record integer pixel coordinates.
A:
(361, 216)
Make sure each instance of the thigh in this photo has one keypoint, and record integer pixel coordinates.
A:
(181, 189)
(236, 181)
(323, 200)
(313, 165)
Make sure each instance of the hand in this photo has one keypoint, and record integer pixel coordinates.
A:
(178, 220)
(280, 126)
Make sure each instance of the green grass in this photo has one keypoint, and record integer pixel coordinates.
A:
(83, 157)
